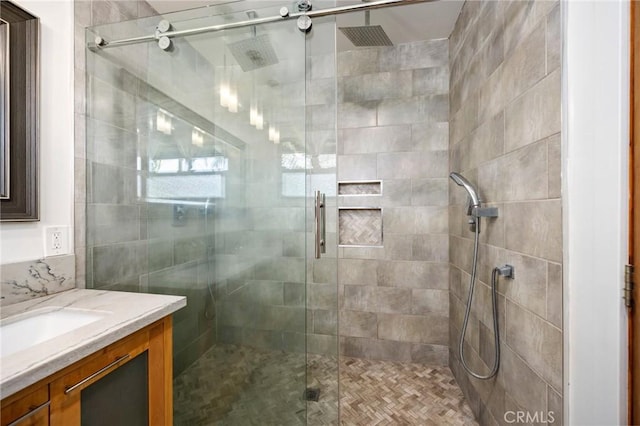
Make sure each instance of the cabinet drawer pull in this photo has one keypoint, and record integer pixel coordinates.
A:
(69, 389)
(29, 414)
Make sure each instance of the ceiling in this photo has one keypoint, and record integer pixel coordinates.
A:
(423, 21)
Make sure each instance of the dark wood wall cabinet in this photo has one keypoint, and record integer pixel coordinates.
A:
(128, 383)
(19, 75)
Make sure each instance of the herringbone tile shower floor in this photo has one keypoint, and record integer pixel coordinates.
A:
(237, 385)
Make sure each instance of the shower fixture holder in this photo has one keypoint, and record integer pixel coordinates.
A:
(506, 271)
(484, 212)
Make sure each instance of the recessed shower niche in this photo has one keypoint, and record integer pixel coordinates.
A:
(360, 225)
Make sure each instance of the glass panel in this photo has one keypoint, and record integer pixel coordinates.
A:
(320, 163)
(199, 177)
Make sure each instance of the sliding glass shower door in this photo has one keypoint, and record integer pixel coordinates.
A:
(203, 161)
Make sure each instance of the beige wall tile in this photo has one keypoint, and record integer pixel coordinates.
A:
(555, 166)
(535, 115)
(375, 349)
(358, 272)
(554, 294)
(504, 136)
(529, 287)
(555, 405)
(413, 274)
(553, 39)
(429, 354)
(391, 300)
(427, 301)
(526, 66)
(526, 388)
(432, 329)
(358, 324)
(535, 228)
(537, 342)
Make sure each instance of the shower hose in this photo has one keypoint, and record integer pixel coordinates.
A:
(494, 282)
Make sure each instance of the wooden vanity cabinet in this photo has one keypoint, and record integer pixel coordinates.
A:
(27, 408)
(134, 373)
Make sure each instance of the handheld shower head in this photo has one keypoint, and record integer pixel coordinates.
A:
(473, 194)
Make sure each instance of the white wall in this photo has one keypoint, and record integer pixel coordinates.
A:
(25, 241)
(595, 172)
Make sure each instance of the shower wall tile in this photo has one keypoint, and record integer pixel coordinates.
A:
(535, 115)
(412, 165)
(430, 136)
(429, 301)
(526, 66)
(431, 247)
(537, 342)
(430, 192)
(505, 137)
(357, 167)
(320, 92)
(103, 12)
(369, 140)
(485, 143)
(410, 56)
(322, 66)
(554, 294)
(416, 109)
(431, 220)
(519, 175)
(391, 293)
(357, 62)
(358, 272)
(413, 274)
(555, 167)
(534, 228)
(553, 33)
(433, 329)
(357, 114)
(430, 81)
(372, 87)
(358, 324)
(554, 404)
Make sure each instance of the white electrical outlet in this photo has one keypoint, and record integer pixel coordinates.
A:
(56, 241)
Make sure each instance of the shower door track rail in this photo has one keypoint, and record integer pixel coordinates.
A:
(378, 4)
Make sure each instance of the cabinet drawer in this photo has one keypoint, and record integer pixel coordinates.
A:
(28, 410)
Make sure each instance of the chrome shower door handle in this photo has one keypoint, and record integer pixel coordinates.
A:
(320, 224)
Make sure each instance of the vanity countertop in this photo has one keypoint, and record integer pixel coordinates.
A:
(121, 315)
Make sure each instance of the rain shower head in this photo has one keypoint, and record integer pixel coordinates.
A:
(255, 52)
(367, 35)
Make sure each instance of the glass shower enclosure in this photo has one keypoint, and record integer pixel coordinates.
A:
(203, 161)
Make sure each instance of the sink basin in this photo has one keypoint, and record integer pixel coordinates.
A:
(25, 330)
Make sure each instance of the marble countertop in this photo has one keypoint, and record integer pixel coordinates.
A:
(124, 313)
